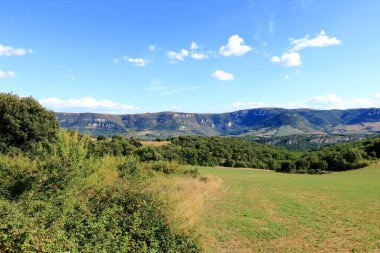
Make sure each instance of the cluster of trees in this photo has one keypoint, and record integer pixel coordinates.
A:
(237, 152)
(305, 142)
(224, 151)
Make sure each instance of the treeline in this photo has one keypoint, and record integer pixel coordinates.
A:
(237, 152)
(306, 142)
(338, 157)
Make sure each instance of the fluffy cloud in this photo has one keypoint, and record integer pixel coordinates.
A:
(288, 59)
(194, 46)
(9, 51)
(86, 104)
(7, 74)
(194, 51)
(235, 47)
(292, 58)
(223, 76)
(320, 40)
(324, 102)
(177, 56)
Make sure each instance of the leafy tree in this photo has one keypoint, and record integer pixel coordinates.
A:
(24, 122)
(101, 138)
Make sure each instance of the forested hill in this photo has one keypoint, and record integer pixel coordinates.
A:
(259, 122)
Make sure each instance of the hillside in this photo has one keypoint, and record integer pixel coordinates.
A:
(264, 122)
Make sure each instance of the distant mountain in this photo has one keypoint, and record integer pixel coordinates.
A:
(258, 122)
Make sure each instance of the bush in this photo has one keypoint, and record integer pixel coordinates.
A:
(148, 153)
(287, 167)
(130, 167)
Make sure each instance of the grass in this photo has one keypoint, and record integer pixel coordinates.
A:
(264, 211)
(155, 143)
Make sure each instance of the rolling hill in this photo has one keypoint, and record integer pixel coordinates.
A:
(263, 122)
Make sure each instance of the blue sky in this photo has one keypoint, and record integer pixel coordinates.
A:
(121, 56)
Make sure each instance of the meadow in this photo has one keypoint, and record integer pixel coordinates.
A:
(264, 211)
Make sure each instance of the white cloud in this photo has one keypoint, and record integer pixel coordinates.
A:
(235, 47)
(194, 46)
(86, 104)
(174, 91)
(152, 47)
(198, 56)
(324, 102)
(192, 52)
(292, 58)
(247, 105)
(139, 62)
(7, 74)
(287, 77)
(177, 56)
(288, 59)
(320, 40)
(119, 59)
(223, 76)
(9, 51)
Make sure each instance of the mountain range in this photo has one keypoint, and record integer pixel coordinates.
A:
(262, 122)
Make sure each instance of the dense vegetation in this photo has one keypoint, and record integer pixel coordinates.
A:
(306, 142)
(70, 196)
(236, 152)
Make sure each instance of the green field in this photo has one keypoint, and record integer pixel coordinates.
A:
(264, 211)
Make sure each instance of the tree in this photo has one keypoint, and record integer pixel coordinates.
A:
(24, 122)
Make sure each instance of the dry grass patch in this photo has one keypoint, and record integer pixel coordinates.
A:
(155, 143)
(186, 197)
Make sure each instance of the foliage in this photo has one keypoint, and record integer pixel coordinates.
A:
(237, 152)
(61, 199)
(24, 123)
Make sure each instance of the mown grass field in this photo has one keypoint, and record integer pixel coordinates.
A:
(264, 211)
